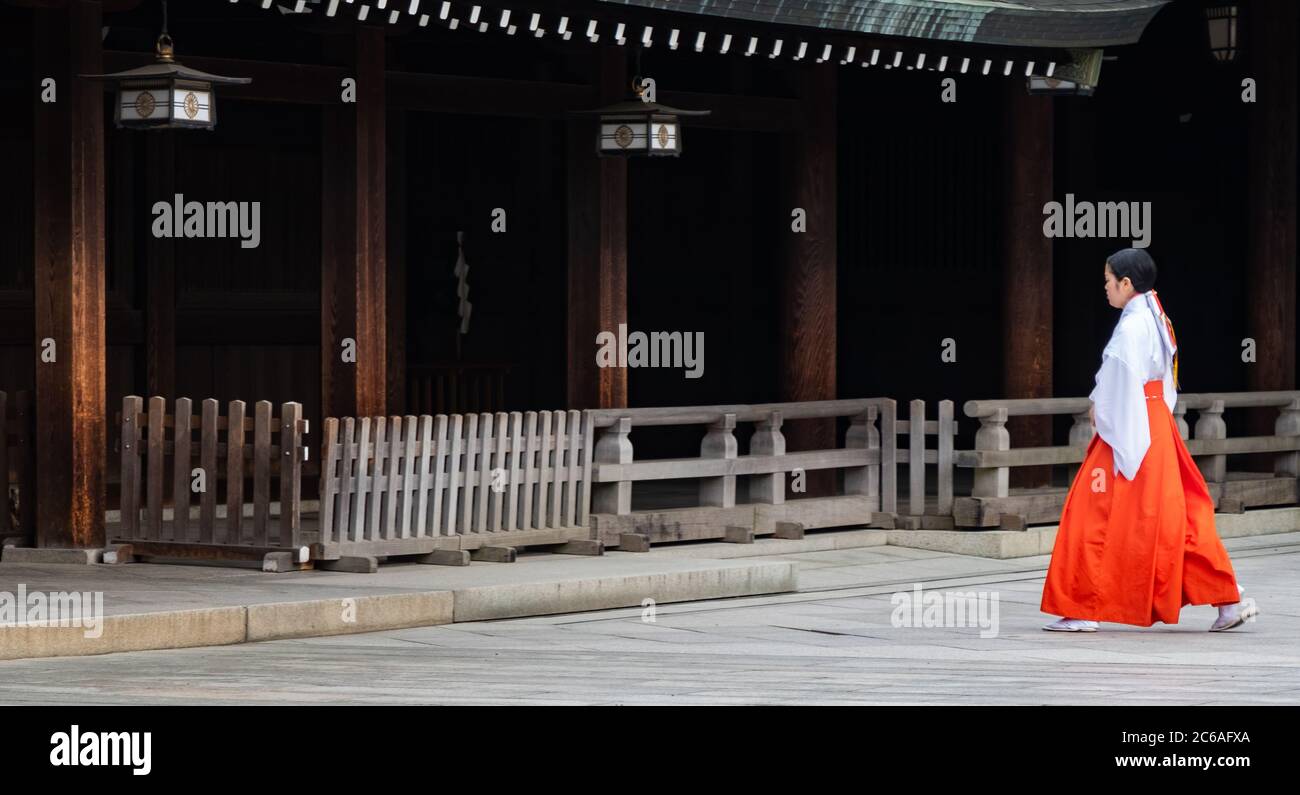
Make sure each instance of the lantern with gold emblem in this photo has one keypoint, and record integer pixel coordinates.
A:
(166, 94)
(640, 127)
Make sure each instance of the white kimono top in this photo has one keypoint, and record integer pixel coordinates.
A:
(1140, 350)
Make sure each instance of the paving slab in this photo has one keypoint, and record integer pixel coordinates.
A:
(161, 606)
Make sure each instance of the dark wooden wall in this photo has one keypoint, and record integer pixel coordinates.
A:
(919, 218)
(1178, 141)
(460, 169)
(248, 320)
(16, 222)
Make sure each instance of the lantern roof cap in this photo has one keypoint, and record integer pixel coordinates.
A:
(639, 106)
(169, 69)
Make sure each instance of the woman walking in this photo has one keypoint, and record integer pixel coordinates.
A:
(1137, 539)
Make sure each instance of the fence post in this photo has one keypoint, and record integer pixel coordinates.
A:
(1287, 424)
(614, 448)
(916, 458)
(131, 408)
(947, 434)
(153, 517)
(234, 472)
(889, 456)
(992, 435)
(768, 440)
(328, 482)
(1210, 425)
(719, 442)
(208, 461)
(588, 447)
(291, 431)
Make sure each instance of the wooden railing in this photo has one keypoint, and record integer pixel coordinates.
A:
(456, 387)
(921, 513)
(991, 498)
(867, 460)
(413, 485)
(274, 453)
(441, 485)
(17, 470)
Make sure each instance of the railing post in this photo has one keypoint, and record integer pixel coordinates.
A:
(292, 427)
(862, 435)
(1180, 416)
(768, 440)
(614, 448)
(992, 435)
(889, 456)
(916, 458)
(719, 442)
(1287, 424)
(1210, 425)
(1080, 436)
(947, 431)
(132, 406)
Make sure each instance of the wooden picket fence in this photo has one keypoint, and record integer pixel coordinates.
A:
(152, 440)
(412, 485)
(17, 468)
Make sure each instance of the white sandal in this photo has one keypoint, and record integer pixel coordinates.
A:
(1072, 625)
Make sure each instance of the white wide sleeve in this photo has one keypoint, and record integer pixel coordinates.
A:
(1120, 412)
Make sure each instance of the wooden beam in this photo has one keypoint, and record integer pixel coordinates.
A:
(597, 275)
(69, 280)
(353, 241)
(487, 95)
(1027, 270)
(808, 272)
(737, 111)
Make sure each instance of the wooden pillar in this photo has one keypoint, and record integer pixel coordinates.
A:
(597, 248)
(160, 279)
(1270, 37)
(807, 291)
(353, 240)
(1027, 270)
(68, 150)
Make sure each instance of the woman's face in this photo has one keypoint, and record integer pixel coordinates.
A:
(1118, 292)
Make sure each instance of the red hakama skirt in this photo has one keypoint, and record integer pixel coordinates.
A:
(1136, 551)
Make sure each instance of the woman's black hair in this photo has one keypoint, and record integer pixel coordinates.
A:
(1137, 265)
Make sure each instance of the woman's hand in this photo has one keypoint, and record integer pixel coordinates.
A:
(1091, 419)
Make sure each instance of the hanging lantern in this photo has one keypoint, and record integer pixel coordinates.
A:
(1221, 26)
(166, 94)
(639, 127)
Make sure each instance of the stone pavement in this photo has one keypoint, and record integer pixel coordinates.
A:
(832, 642)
